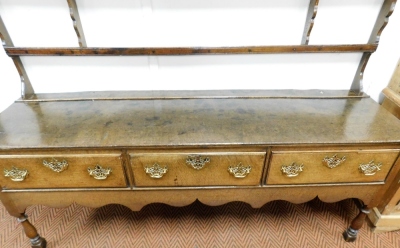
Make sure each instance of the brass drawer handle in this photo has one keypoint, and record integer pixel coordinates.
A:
(292, 170)
(334, 161)
(370, 169)
(16, 174)
(55, 165)
(99, 173)
(239, 171)
(197, 161)
(156, 171)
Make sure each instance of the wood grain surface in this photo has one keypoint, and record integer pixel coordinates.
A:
(196, 122)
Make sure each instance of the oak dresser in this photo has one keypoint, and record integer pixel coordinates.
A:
(176, 147)
(211, 149)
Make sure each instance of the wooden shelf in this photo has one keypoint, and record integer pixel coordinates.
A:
(132, 51)
(193, 94)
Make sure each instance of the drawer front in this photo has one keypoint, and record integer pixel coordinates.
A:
(62, 171)
(197, 168)
(330, 166)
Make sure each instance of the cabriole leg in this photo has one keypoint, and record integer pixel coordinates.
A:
(31, 232)
(350, 235)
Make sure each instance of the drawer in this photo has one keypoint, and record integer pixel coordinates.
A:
(49, 170)
(197, 168)
(301, 167)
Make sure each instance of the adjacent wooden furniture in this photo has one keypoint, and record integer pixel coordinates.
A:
(386, 217)
(391, 102)
(136, 148)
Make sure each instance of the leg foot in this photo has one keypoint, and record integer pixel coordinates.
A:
(31, 232)
(350, 235)
(38, 242)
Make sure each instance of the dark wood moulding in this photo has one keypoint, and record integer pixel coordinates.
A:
(131, 51)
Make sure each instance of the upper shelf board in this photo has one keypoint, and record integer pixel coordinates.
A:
(130, 51)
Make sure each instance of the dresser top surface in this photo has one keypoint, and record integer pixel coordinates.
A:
(196, 122)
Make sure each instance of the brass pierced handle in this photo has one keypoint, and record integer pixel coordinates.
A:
(197, 161)
(239, 171)
(99, 173)
(292, 170)
(55, 165)
(156, 171)
(16, 174)
(334, 161)
(370, 169)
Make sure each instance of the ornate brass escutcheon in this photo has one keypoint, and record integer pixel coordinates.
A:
(16, 174)
(156, 171)
(239, 171)
(292, 170)
(55, 165)
(370, 169)
(99, 173)
(334, 161)
(197, 161)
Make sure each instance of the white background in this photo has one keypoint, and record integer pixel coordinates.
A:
(138, 23)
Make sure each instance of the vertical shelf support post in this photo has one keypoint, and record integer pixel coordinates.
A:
(26, 86)
(76, 20)
(311, 14)
(380, 24)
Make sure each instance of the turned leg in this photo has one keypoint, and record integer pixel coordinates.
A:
(31, 232)
(350, 235)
